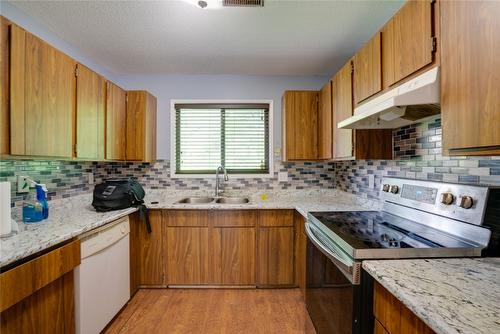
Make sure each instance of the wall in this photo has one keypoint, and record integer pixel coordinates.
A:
(417, 152)
(222, 87)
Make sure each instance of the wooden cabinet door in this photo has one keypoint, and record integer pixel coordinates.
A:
(276, 256)
(46, 84)
(407, 44)
(147, 251)
(90, 105)
(300, 252)
(342, 109)
(187, 247)
(235, 246)
(325, 122)
(187, 255)
(300, 125)
(5, 32)
(368, 70)
(116, 122)
(141, 126)
(470, 77)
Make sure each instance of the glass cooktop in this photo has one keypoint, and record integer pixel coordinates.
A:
(364, 233)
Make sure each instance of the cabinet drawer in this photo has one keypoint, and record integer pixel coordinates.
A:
(25, 279)
(275, 218)
(234, 218)
(187, 218)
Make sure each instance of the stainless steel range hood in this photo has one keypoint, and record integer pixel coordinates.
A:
(411, 102)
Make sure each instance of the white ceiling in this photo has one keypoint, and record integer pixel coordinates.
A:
(176, 37)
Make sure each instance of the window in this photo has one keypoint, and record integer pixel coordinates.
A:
(235, 136)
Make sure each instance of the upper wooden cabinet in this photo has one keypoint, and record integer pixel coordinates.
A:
(407, 41)
(5, 27)
(368, 70)
(300, 125)
(141, 126)
(342, 109)
(325, 122)
(354, 144)
(116, 118)
(470, 77)
(90, 118)
(42, 87)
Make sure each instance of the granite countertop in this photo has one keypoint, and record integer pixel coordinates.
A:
(74, 216)
(449, 295)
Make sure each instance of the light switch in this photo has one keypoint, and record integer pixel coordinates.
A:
(282, 176)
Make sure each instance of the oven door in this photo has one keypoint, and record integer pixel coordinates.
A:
(334, 297)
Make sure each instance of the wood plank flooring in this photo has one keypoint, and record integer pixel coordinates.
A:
(214, 311)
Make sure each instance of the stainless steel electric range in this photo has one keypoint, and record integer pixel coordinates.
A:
(419, 219)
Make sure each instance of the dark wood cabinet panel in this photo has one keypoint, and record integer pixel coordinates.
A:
(300, 252)
(116, 118)
(342, 109)
(368, 70)
(141, 126)
(407, 44)
(300, 125)
(233, 218)
(275, 218)
(90, 114)
(5, 33)
(470, 77)
(276, 256)
(147, 252)
(325, 122)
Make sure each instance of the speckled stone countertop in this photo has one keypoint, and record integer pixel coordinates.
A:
(449, 295)
(74, 216)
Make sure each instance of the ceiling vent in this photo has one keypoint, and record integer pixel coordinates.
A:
(243, 3)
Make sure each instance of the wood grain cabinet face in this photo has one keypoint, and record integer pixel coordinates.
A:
(300, 252)
(393, 317)
(368, 70)
(187, 247)
(116, 118)
(43, 87)
(342, 109)
(5, 33)
(276, 248)
(300, 125)
(147, 252)
(141, 126)
(470, 77)
(325, 122)
(90, 109)
(407, 44)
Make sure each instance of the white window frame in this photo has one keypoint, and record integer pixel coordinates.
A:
(173, 145)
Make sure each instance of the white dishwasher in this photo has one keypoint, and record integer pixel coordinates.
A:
(102, 281)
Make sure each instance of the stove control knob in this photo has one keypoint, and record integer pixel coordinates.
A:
(447, 198)
(466, 202)
(394, 189)
(385, 188)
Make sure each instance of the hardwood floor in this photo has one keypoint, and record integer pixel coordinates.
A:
(214, 311)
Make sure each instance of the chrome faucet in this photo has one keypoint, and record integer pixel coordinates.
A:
(218, 189)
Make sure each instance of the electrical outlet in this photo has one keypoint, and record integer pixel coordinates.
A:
(22, 184)
(90, 178)
(371, 181)
(282, 176)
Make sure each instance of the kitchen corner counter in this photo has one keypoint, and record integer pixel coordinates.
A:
(74, 216)
(449, 295)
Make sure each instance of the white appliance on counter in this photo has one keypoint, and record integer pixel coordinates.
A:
(102, 281)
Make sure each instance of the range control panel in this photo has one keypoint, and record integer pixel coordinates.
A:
(458, 201)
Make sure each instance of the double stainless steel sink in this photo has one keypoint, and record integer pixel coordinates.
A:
(219, 200)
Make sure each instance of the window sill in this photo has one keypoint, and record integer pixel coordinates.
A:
(212, 176)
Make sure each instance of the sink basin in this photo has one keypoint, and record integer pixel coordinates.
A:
(196, 200)
(232, 200)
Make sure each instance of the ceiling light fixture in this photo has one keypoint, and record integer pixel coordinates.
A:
(206, 4)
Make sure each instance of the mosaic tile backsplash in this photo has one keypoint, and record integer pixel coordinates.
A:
(417, 152)
(69, 178)
(417, 155)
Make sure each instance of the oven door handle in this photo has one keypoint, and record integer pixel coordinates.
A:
(348, 267)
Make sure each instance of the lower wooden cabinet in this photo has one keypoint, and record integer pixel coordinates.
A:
(300, 252)
(393, 317)
(213, 248)
(275, 243)
(38, 296)
(147, 255)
